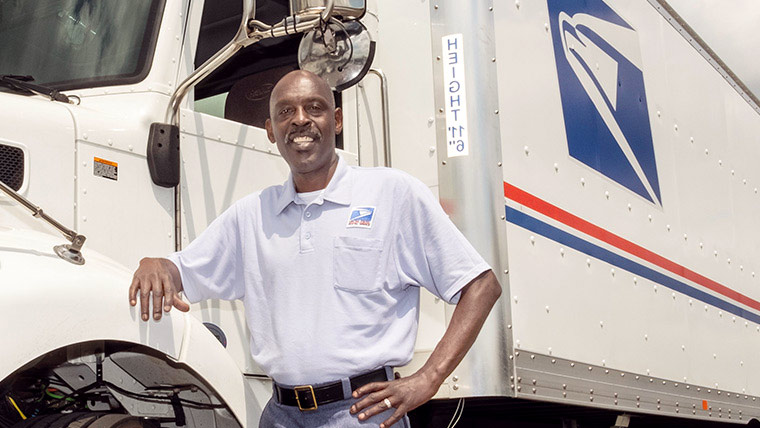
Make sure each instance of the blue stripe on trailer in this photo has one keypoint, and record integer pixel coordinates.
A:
(535, 225)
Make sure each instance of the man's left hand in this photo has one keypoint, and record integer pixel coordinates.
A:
(404, 395)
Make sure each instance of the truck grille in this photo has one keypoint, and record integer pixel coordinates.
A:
(11, 166)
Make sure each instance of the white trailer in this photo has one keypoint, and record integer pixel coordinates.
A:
(596, 152)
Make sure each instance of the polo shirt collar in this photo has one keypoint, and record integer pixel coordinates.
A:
(338, 190)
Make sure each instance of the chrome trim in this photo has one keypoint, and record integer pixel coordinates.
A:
(71, 252)
(691, 36)
(471, 186)
(386, 114)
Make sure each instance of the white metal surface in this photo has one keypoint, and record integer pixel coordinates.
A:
(48, 159)
(640, 287)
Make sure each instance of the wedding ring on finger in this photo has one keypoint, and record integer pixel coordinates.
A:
(387, 403)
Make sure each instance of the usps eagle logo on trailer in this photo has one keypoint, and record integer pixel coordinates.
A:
(361, 217)
(601, 86)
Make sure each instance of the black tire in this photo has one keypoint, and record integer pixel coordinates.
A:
(84, 420)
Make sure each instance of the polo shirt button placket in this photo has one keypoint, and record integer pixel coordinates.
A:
(306, 245)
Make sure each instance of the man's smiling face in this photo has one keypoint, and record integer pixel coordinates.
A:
(303, 123)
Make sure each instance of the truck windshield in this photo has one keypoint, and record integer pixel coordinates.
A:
(70, 44)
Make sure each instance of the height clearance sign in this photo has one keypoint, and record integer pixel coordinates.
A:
(455, 95)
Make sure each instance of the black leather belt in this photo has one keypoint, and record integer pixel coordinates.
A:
(307, 397)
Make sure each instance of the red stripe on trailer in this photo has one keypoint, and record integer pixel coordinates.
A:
(524, 198)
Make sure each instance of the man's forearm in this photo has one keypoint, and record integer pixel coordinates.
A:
(473, 308)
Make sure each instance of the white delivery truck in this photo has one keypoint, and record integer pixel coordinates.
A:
(597, 153)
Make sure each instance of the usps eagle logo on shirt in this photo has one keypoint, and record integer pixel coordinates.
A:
(361, 217)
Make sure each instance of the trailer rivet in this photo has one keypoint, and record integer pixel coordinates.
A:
(533, 381)
(554, 361)
(622, 374)
(509, 326)
(572, 364)
(456, 386)
(498, 164)
(455, 378)
(638, 398)
(590, 368)
(438, 58)
(506, 271)
(443, 162)
(496, 112)
(591, 391)
(546, 26)
(519, 388)
(564, 386)
(534, 390)
(502, 217)
(511, 386)
(616, 402)
(606, 371)
(564, 394)
(436, 6)
(490, 8)
(493, 59)
(440, 110)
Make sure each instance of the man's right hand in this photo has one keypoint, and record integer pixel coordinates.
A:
(161, 279)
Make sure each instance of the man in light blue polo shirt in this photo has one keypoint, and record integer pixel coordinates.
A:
(329, 266)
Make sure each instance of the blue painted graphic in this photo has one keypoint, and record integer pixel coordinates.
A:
(602, 91)
(361, 217)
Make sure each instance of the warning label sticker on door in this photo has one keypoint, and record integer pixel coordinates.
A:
(105, 168)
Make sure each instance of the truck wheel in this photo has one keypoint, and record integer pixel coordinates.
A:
(85, 420)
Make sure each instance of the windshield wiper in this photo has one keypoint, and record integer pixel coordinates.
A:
(23, 84)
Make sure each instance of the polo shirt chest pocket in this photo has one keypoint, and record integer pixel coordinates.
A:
(356, 264)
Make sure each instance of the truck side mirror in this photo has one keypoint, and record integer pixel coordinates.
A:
(340, 53)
